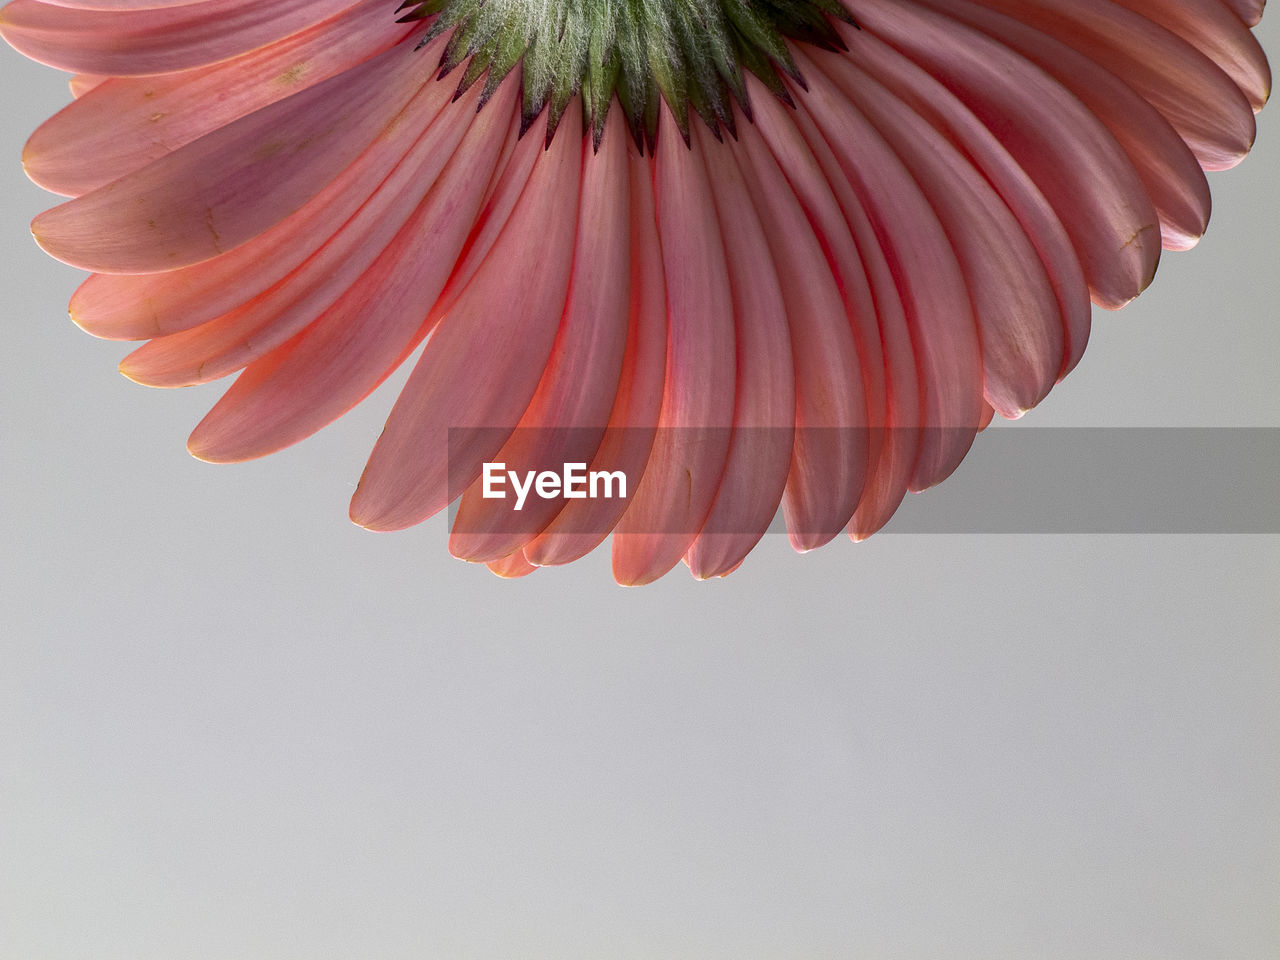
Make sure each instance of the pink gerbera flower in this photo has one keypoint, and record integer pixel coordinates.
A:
(742, 253)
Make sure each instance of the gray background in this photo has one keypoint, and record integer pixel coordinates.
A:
(236, 726)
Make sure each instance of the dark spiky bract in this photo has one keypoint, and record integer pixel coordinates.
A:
(690, 53)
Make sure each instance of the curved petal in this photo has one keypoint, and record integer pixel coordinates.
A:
(584, 524)
(120, 124)
(232, 184)
(934, 103)
(1169, 171)
(121, 4)
(1212, 29)
(759, 457)
(570, 408)
(687, 461)
(872, 304)
(132, 43)
(828, 470)
(82, 83)
(1075, 162)
(1018, 318)
(512, 567)
(1249, 11)
(138, 306)
(930, 282)
(483, 362)
(1200, 101)
(246, 333)
(341, 357)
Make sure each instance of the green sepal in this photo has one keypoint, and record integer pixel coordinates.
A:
(597, 92)
(692, 54)
(509, 50)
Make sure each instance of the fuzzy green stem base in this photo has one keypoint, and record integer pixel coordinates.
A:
(690, 53)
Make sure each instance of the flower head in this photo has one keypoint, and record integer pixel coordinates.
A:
(741, 253)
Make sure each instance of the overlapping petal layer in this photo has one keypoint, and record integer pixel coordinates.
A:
(814, 315)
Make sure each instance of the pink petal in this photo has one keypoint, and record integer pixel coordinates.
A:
(988, 414)
(82, 83)
(130, 43)
(1249, 11)
(232, 184)
(137, 306)
(583, 524)
(828, 469)
(1073, 159)
(929, 99)
(121, 4)
(1219, 34)
(516, 166)
(759, 456)
(675, 494)
(1169, 171)
(483, 362)
(121, 125)
(570, 409)
(1195, 96)
(944, 334)
(874, 309)
(217, 348)
(1017, 313)
(512, 567)
(340, 358)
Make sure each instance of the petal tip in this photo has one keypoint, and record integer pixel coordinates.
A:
(128, 370)
(214, 446)
(806, 541)
(633, 578)
(365, 511)
(471, 549)
(205, 454)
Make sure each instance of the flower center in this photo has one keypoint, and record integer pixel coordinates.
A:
(690, 53)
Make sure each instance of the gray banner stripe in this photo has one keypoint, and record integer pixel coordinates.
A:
(1039, 479)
